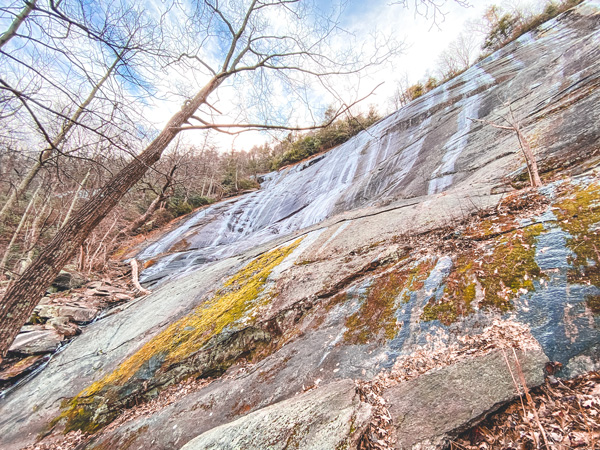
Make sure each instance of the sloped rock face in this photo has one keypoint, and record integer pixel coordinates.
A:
(390, 261)
(550, 79)
(329, 417)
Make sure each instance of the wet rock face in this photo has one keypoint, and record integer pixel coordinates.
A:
(427, 147)
(406, 273)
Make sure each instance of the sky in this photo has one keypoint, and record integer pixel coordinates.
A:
(422, 38)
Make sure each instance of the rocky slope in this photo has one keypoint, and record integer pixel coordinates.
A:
(387, 294)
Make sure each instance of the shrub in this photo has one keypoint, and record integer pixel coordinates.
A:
(179, 207)
(198, 200)
(415, 91)
(162, 217)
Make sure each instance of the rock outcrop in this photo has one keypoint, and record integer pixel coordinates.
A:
(389, 293)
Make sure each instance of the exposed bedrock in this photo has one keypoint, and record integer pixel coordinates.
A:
(391, 289)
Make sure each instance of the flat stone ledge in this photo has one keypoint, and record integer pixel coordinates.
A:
(432, 409)
(329, 417)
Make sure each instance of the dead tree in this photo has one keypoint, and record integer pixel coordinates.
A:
(515, 127)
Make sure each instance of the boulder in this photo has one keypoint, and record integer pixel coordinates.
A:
(430, 410)
(64, 326)
(67, 280)
(20, 367)
(34, 342)
(78, 314)
(47, 311)
(329, 417)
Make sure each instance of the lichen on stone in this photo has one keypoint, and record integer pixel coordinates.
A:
(236, 302)
(376, 319)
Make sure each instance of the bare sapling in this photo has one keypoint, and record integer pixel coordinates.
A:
(515, 127)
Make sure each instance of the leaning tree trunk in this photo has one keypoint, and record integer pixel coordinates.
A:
(47, 153)
(162, 196)
(22, 297)
(142, 219)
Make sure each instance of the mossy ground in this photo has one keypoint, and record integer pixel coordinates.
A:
(236, 301)
(376, 319)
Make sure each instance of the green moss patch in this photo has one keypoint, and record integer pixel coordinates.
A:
(578, 214)
(376, 318)
(500, 272)
(237, 301)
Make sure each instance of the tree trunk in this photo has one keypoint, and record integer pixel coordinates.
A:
(135, 278)
(14, 26)
(16, 234)
(47, 153)
(23, 296)
(141, 220)
(75, 197)
(532, 168)
(34, 236)
(93, 258)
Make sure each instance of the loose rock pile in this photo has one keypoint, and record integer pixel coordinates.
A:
(71, 302)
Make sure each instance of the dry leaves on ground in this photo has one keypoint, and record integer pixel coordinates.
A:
(569, 413)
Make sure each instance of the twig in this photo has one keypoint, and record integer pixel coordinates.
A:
(529, 399)
(515, 383)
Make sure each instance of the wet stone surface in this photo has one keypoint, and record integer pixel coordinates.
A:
(382, 268)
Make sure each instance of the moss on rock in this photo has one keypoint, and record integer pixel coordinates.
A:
(578, 214)
(376, 318)
(236, 302)
(502, 271)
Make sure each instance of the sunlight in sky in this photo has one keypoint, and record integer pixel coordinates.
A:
(424, 40)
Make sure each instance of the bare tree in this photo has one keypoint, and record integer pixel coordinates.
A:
(257, 50)
(58, 74)
(161, 196)
(515, 127)
(459, 55)
(17, 22)
(47, 153)
(430, 9)
(400, 96)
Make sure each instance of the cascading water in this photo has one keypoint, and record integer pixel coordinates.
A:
(422, 149)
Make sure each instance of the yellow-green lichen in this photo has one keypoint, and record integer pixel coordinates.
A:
(502, 274)
(579, 215)
(376, 319)
(236, 301)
